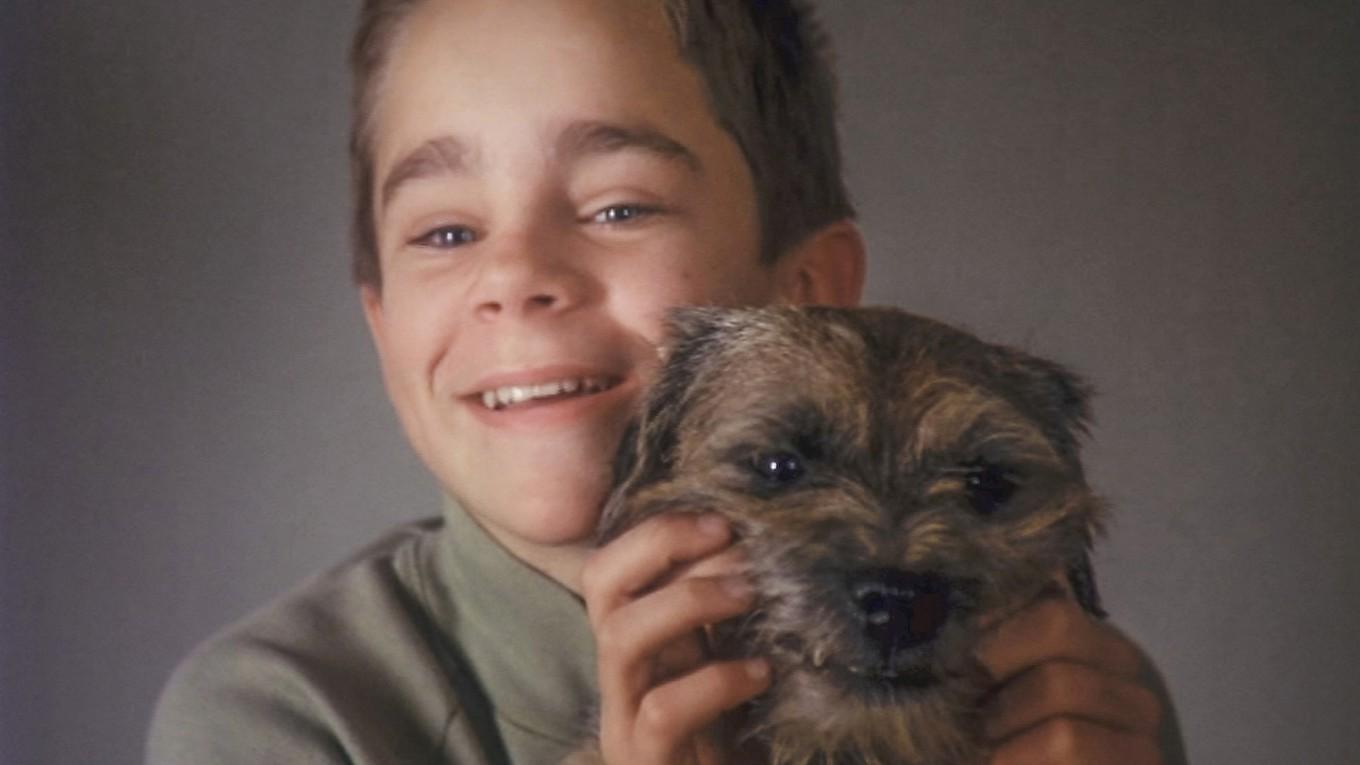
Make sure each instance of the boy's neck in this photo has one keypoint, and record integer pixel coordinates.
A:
(561, 563)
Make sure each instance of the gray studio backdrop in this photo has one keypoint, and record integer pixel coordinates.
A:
(1162, 194)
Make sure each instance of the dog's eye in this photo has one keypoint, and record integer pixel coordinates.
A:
(780, 468)
(989, 487)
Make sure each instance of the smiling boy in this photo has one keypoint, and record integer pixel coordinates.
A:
(538, 182)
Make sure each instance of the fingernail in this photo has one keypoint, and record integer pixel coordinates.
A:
(738, 587)
(757, 669)
(712, 524)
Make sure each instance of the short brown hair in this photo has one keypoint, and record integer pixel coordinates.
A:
(766, 68)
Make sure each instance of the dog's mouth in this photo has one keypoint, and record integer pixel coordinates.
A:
(868, 678)
(884, 683)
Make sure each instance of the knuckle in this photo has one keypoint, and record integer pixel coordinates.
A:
(593, 580)
(1060, 737)
(731, 561)
(697, 597)
(611, 637)
(664, 535)
(1063, 618)
(655, 716)
(698, 594)
(667, 527)
(1056, 681)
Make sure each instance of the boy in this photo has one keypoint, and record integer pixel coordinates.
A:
(537, 182)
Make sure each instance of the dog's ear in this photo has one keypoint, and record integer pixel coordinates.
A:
(1059, 397)
(1061, 401)
(695, 337)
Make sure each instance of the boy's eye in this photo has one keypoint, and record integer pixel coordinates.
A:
(446, 237)
(622, 213)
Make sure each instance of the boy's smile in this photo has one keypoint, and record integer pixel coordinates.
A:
(527, 394)
(550, 181)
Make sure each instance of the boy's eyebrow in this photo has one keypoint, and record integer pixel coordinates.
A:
(446, 155)
(438, 156)
(592, 137)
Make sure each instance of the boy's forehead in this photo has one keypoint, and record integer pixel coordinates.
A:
(590, 73)
(480, 41)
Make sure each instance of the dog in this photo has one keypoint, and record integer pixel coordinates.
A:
(895, 482)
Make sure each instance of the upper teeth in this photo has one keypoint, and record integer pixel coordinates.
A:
(515, 394)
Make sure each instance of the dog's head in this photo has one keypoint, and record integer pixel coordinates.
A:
(891, 478)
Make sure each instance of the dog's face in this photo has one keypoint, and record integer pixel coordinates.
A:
(892, 480)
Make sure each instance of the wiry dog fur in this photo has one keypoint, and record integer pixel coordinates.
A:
(891, 479)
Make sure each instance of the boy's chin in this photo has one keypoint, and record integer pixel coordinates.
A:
(552, 512)
(552, 524)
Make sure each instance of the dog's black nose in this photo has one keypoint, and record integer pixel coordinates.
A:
(900, 609)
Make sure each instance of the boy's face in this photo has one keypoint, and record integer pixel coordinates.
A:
(550, 181)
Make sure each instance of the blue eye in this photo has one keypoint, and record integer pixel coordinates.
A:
(446, 237)
(622, 213)
(779, 468)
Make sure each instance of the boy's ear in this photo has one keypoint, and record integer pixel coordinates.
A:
(370, 298)
(826, 268)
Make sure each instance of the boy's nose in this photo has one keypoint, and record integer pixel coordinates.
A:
(523, 279)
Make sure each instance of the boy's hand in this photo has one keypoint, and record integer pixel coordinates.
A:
(649, 594)
(1069, 690)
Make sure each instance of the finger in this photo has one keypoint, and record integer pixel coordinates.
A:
(679, 657)
(673, 713)
(1056, 587)
(684, 654)
(629, 638)
(731, 561)
(1056, 628)
(634, 562)
(1066, 740)
(1065, 689)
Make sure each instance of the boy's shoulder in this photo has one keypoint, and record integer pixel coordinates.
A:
(347, 667)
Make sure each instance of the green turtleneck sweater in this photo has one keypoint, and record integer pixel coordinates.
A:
(433, 645)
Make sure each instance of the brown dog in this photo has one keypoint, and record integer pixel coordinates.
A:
(892, 481)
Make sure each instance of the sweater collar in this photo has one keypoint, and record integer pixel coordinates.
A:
(526, 636)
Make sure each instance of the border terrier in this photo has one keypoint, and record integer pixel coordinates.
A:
(896, 483)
